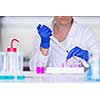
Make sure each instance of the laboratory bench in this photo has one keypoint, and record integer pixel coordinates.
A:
(51, 75)
(42, 78)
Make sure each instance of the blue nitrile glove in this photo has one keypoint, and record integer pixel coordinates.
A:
(84, 54)
(45, 33)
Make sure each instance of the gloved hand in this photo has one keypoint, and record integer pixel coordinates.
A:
(45, 34)
(84, 54)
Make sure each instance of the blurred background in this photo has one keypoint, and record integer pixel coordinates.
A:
(24, 28)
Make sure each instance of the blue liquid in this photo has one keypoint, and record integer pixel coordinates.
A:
(20, 77)
(89, 75)
(7, 77)
(12, 77)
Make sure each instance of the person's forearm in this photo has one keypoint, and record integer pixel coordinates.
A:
(44, 51)
(38, 58)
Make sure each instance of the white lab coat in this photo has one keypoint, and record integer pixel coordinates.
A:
(79, 35)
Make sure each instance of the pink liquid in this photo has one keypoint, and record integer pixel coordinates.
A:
(42, 70)
(70, 65)
(79, 65)
(63, 65)
(38, 70)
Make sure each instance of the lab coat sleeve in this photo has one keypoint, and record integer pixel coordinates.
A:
(37, 57)
(92, 40)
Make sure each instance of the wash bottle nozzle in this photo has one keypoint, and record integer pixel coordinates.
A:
(12, 49)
